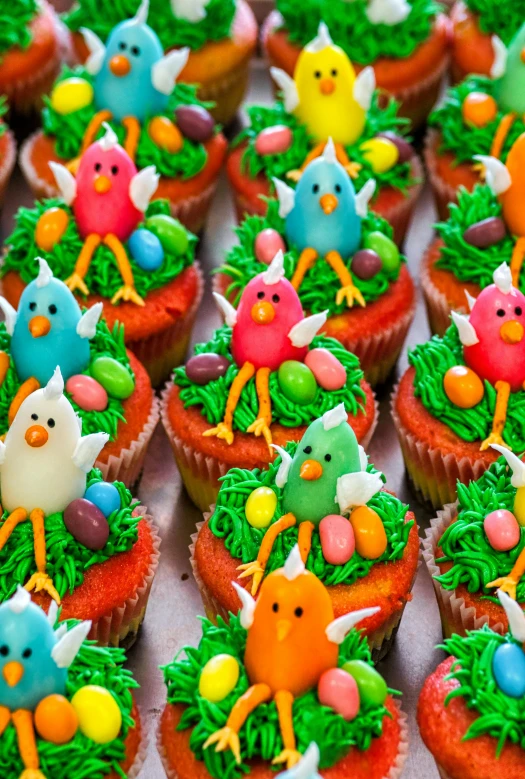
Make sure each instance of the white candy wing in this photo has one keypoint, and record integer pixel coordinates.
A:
(356, 489)
(88, 449)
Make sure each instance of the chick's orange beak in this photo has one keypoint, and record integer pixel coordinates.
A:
(36, 436)
(101, 185)
(283, 628)
(522, 55)
(263, 313)
(327, 86)
(119, 65)
(311, 470)
(39, 326)
(12, 673)
(329, 203)
(511, 332)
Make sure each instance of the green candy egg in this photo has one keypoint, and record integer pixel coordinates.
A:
(385, 248)
(113, 376)
(371, 685)
(172, 235)
(297, 382)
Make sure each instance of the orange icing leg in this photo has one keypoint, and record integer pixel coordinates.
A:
(261, 426)
(516, 262)
(24, 391)
(348, 291)
(224, 428)
(4, 366)
(305, 539)
(14, 519)
(256, 569)
(509, 583)
(128, 291)
(132, 127)
(23, 722)
(227, 737)
(306, 260)
(500, 416)
(501, 134)
(90, 134)
(289, 755)
(5, 718)
(76, 280)
(40, 580)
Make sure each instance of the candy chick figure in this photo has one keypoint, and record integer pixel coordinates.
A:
(43, 467)
(292, 640)
(268, 328)
(323, 219)
(33, 666)
(327, 472)
(109, 198)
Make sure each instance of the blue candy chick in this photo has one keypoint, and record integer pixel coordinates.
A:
(323, 219)
(49, 329)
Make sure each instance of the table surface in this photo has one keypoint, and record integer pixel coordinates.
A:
(174, 603)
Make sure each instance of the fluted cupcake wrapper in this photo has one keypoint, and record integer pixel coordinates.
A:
(444, 193)
(142, 753)
(7, 164)
(438, 308)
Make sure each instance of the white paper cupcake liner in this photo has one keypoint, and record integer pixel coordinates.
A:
(437, 305)
(444, 193)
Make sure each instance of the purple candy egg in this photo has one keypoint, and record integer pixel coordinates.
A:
(87, 524)
(204, 368)
(366, 264)
(195, 122)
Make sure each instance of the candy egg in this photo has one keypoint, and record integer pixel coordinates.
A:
(519, 506)
(366, 264)
(195, 122)
(369, 532)
(87, 524)
(329, 372)
(371, 685)
(204, 368)
(99, 716)
(502, 530)
(71, 95)
(508, 667)
(260, 507)
(274, 140)
(87, 393)
(172, 235)
(385, 248)
(479, 109)
(463, 387)
(50, 228)
(297, 382)
(56, 720)
(405, 149)
(114, 377)
(218, 678)
(381, 153)
(267, 243)
(104, 496)
(338, 690)
(165, 135)
(485, 233)
(146, 249)
(337, 539)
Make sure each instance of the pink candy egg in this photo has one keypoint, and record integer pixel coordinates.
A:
(337, 539)
(87, 393)
(328, 371)
(502, 530)
(274, 140)
(338, 690)
(267, 244)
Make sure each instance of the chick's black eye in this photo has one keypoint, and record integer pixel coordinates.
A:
(318, 74)
(4, 650)
(275, 607)
(51, 422)
(114, 169)
(260, 295)
(518, 311)
(298, 612)
(276, 298)
(135, 51)
(98, 167)
(27, 653)
(307, 449)
(328, 457)
(334, 72)
(52, 309)
(34, 417)
(315, 189)
(338, 188)
(123, 46)
(500, 312)
(32, 306)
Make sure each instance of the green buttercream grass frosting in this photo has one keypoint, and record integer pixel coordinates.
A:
(351, 29)
(3, 111)
(173, 32)
(229, 523)
(496, 18)
(431, 361)
(15, 18)
(67, 559)
(260, 737)
(465, 544)
(319, 288)
(103, 277)
(379, 120)
(212, 397)
(82, 757)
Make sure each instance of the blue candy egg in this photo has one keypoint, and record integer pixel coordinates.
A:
(146, 249)
(508, 667)
(105, 496)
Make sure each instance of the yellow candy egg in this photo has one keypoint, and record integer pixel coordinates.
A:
(463, 387)
(99, 717)
(218, 678)
(519, 506)
(381, 153)
(71, 95)
(369, 532)
(50, 228)
(164, 133)
(260, 507)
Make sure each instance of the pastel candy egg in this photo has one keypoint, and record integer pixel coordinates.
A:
(99, 716)
(485, 233)
(369, 532)
(114, 377)
(71, 95)
(463, 387)
(104, 496)
(146, 249)
(172, 235)
(405, 149)
(371, 685)
(260, 507)
(338, 690)
(329, 372)
(385, 248)
(267, 243)
(381, 153)
(274, 140)
(218, 678)
(165, 135)
(195, 122)
(87, 393)
(366, 263)
(502, 530)
(508, 667)
(479, 109)
(56, 720)
(519, 506)
(87, 524)
(337, 539)
(50, 228)
(203, 368)
(297, 382)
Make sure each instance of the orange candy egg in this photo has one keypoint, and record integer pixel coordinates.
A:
(164, 133)
(50, 228)
(56, 720)
(369, 532)
(463, 387)
(479, 109)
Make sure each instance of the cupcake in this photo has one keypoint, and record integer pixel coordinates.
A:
(68, 707)
(463, 393)
(280, 675)
(406, 43)
(367, 559)
(325, 99)
(66, 534)
(470, 711)
(221, 36)
(131, 84)
(339, 257)
(110, 244)
(261, 379)
(7, 152)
